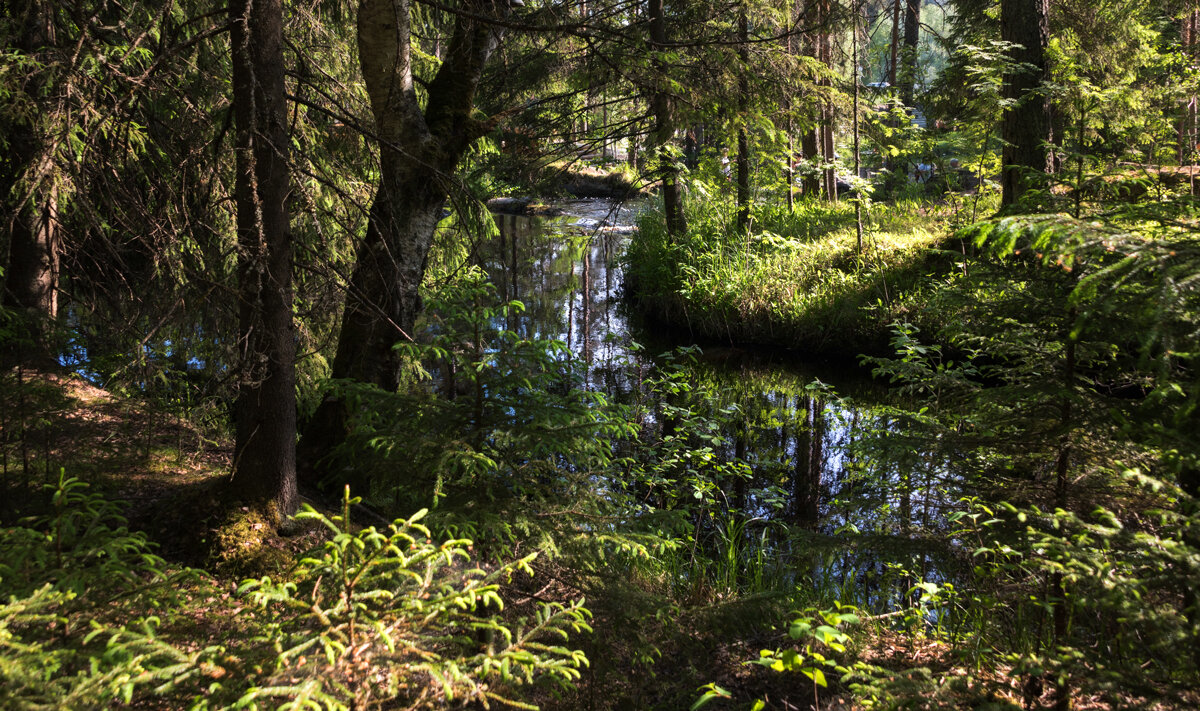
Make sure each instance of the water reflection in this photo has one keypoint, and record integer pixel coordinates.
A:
(565, 271)
(842, 494)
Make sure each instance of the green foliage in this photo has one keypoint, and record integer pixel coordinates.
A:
(815, 631)
(81, 544)
(818, 633)
(797, 278)
(1076, 506)
(508, 438)
(389, 617)
(370, 615)
(68, 580)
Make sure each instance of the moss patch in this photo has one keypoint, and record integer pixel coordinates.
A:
(244, 545)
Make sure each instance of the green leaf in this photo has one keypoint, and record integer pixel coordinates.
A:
(713, 692)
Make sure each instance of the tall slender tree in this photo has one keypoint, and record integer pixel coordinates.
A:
(907, 75)
(1189, 28)
(265, 452)
(664, 127)
(743, 138)
(817, 143)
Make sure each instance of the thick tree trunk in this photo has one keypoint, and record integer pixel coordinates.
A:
(1026, 127)
(265, 452)
(33, 260)
(418, 151)
(664, 129)
(384, 298)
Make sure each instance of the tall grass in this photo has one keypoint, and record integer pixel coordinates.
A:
(796, 279)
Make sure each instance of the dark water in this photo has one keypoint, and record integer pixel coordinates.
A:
(839, 481)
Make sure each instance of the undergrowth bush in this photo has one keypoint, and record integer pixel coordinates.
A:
(390, 617)
(91, 618)
(77, 587)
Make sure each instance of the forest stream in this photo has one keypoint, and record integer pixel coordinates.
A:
(807, 430)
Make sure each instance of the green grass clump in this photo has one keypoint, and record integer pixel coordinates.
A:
(797, 279)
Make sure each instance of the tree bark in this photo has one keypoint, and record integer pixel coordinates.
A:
(743, 157)
(895, 48)
(813, 142)
(828, 152)
(1026, 127)
(418, 151)
(34, 257)
(28, 189)
(664, 129)
(1187, 119)
(908, 57)
(265, 449)
(858, 221)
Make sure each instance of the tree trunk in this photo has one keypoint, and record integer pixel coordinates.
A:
(908, 57)
(828, 151)
(743, 157)
(858, 221)
(265, 449)
(1026, 127)
(664, 130)
(29, 195)
(809, 147)
(33, 260)
(1187, 119)
(418, 151)
(812, 142)
(895, 56)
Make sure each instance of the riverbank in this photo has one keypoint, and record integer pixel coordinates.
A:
(798, 281)
(540, 189)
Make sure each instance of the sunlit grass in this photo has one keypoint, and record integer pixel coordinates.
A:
(798, 279)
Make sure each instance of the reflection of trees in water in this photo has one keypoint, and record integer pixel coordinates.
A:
(809, 457)
(866, 491)
(841, 495)
(564, 278)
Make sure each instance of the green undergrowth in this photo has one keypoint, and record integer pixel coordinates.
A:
(796, 280)
(91, 617)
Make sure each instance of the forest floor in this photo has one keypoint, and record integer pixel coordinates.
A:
(647, 652)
